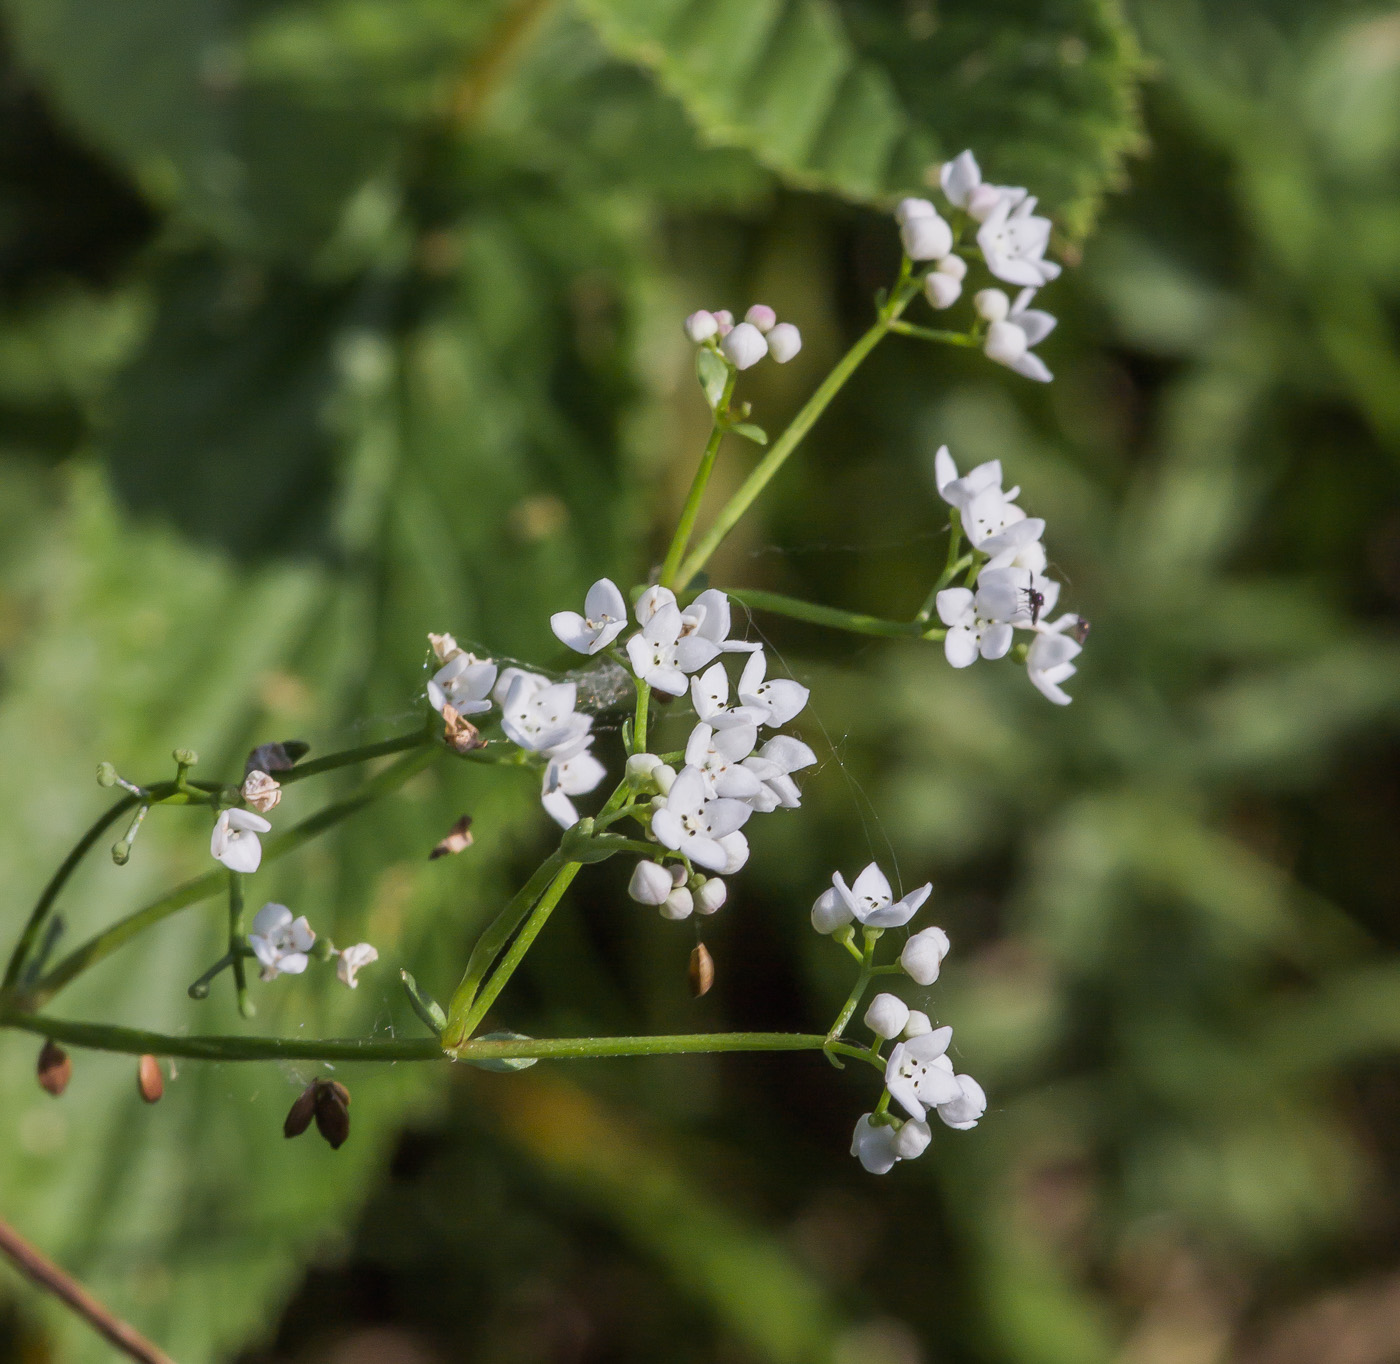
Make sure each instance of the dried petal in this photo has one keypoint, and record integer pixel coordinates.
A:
(458, 731)
(261, 791)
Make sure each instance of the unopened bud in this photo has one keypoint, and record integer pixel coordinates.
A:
(919, 1023)
(55, 1068)
(1005, 343)
(927, 237)
(745, 346)
(784, 341)
(664, 775)
(762, 317)
(640, 767)
(701, 326)
(942, 291)
(991, 304)
(955, 267)
(150, 1084)
(710, 895)
(121, 852)
(923, 955)
(912, 1139)
(106, 774)
(724, 319)
(185, 757)
(458, 839)
(650, 884)
(679, 904)
(886, 1015)
(702, 970)
(261, 791)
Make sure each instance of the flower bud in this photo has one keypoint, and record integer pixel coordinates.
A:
(991, 304)
(678, 874)
(955, 267)
(701, 326)
(724, 319)
(106, 774)
(1005, 343)
(744, 347)
(887, 1015)
(912, 1140)
(942, 291)
(926, 238)
(710, 895)
(830, 912)
(762, 317)
(784, 341)
(923, 954)
(907, 210)
(664, 775)
(55, 1068)
(650, 883)
(640, 767)
(702, 970)
(261, 791)
(149, 1082)
(185, 757)
(919, 1023)
(679, 904)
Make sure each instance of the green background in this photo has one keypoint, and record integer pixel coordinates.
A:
(326, 324)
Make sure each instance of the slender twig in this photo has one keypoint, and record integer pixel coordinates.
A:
(40, 1270)
(833, 617)
(348, 756)
(934, 334)
(691, 510)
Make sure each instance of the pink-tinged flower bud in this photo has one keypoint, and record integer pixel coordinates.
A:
(991, 304)
(679, 904)
(711, 896)
(744, 346)
(955, 267)
(886, 1015)
(926, 238)
(942, 291)
(724, 319)
(784, 341)
(762, 317)
(907, 210)
(650, 883)
(923, 955)
(701, 326)
(1006, 343)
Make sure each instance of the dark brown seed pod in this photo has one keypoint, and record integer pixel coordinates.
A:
(150, 1084)
(332, 1112)
(55, 1068)
(300, 1114)
(702, 970)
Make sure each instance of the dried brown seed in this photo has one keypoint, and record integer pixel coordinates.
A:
(702, 970)
(55, 1068)
(149, 1081)
(459, 838)
(333, 1112)
(300, 1114)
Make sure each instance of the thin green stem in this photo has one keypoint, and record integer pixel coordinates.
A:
(950, 565)
(852, 1003)
(639, 723)
(57, 881)
(833, 617)
(803, 422)
(933, 334)
(691, 510)
(364, 753)
(110, 939)
(236, 942)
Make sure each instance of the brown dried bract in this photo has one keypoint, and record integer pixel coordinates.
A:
(150, 1084)
(445, 648)
(702, 970)
(55, 1068)
(459, 731)
(261, 791)
(459, 839)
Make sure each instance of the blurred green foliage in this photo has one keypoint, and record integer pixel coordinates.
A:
(326, 324)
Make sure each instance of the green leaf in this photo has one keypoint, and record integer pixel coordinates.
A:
(751, 432)
(424, 1005)
(505, 1065)
(713, 374)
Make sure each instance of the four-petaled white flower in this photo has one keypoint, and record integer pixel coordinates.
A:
(351, 959)
(538, 715)
(280, 942)
(774, 765)
(668, 646)
(717, 753)
(571, 771)
(961, 179)
(604, 618)
(780, 699)
(709, 694)
(464, 682)
(871, 902)
(914, 1076)
(235, 839)
(1013, 241)
(699, 827)
(979, 624)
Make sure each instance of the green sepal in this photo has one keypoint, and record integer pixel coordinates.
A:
(751, 432)
(425, 1006)
(713, 374)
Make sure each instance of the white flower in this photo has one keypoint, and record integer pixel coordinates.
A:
(1009, 342)
(919, 1023)
(351, 958)
(235, 839)
(700, 326)
(663, 652)
(872, 902)
(571, 771)
(875, 1146)
(963, 1112)
(780, 700)
(961, 179)
(744, 346)
(762, 317)
(773, 765)
(1048, 659)
(650, 884)
(604, 618)
(261, 791)
(709, 617)
(923, 955)
(981, 623)
(718, 754)
(830, 911)
(709, 694)
(906, 210)
(917, 1075)
(886, 1015)
(539, 715)
(1017, 547)
(464, 682)
(1013, 242)
(711, 895)
(694, 825)
(784, 341)
(924, 234)
(280, 942)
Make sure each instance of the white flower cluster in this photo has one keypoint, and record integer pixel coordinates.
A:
(1012, 591)
(918, 1073)
(1012, 239)
(282, 944)
(744, 345)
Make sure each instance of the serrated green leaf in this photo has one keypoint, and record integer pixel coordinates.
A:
(751, 432)
(713, 374)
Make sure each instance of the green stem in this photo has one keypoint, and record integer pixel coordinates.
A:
(110, 939)
(933, 334)
(523, 941)
(951, 565)
(50, 893)
(236, 941)
(857, 992)
(803, 422)
(691, 510)
(639, 724)
(833, 617)
(364, 753)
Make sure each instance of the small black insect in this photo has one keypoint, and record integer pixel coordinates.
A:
(1035, 600)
